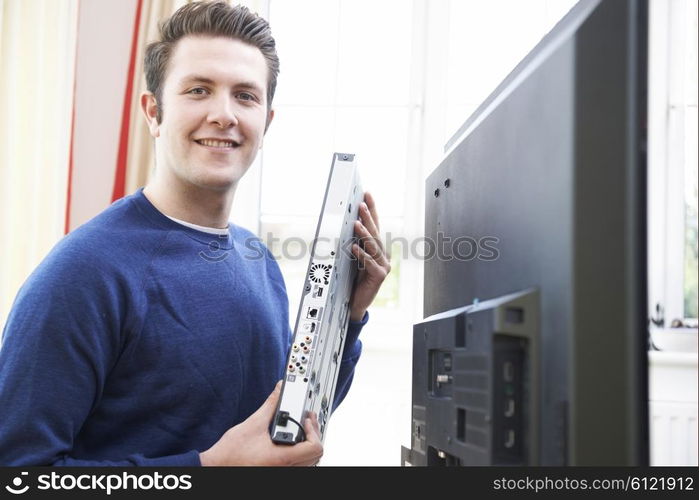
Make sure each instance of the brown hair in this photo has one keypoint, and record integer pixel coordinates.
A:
(214, 19)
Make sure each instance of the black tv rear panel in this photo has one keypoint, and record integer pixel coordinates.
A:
(475, 385)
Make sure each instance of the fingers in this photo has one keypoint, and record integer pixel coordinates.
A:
(368, 220)
(366, 261)
(368, 230)
(313, 444)
(372, 246)
(307, 452)
(370, 225)
(371, 205)
(313, 419)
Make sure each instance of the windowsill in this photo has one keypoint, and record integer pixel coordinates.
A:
(676, 340)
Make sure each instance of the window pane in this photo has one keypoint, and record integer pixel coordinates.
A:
(307, 49)
(375, 52)
(486, 41)
(379, 137)
(296, 161)
(298, 151)
(473, 71)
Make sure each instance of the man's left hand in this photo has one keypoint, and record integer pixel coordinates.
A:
(374, 264)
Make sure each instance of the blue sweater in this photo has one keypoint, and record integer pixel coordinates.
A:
(139, 341)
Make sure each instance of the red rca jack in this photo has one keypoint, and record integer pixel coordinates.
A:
(306, 349)
(308, 339)
(292, 368)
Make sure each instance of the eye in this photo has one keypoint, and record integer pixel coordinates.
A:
(198, 91)
(246, 96)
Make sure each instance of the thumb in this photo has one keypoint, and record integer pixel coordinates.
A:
(266, 411)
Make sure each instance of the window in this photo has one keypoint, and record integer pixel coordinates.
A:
(673, 161)
(690, 158)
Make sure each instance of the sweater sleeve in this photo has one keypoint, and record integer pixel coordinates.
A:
(62, 336)
(350, 356)
(188, 459)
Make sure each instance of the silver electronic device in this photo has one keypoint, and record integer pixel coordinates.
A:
(321, 324)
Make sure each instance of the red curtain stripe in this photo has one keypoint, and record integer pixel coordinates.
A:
(120, 173)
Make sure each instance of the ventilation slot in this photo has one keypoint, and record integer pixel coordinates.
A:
(320, 273)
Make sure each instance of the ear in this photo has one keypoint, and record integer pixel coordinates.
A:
(149, 107)
(270, 117)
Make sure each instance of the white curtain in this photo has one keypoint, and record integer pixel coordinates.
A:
(37, 52)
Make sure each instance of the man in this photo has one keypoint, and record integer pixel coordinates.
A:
(131, 344)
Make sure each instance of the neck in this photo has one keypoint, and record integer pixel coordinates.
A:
(200, 206)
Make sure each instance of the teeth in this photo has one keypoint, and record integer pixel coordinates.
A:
(215, 144)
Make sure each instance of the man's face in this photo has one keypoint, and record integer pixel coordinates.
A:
(214, 104)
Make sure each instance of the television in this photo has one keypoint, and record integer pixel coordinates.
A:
(533, 350)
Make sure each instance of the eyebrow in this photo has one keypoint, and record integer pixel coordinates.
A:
(196, 78)
(204, 79)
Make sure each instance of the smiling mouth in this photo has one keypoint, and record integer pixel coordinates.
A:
(214, 143)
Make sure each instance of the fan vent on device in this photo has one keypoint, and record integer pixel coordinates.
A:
(320, 273)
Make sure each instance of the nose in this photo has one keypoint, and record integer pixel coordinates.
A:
(222, 113)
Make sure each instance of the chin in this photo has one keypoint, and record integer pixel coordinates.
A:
(218, 182)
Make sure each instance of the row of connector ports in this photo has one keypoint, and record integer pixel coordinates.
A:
(297, 361)
(313, 313)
